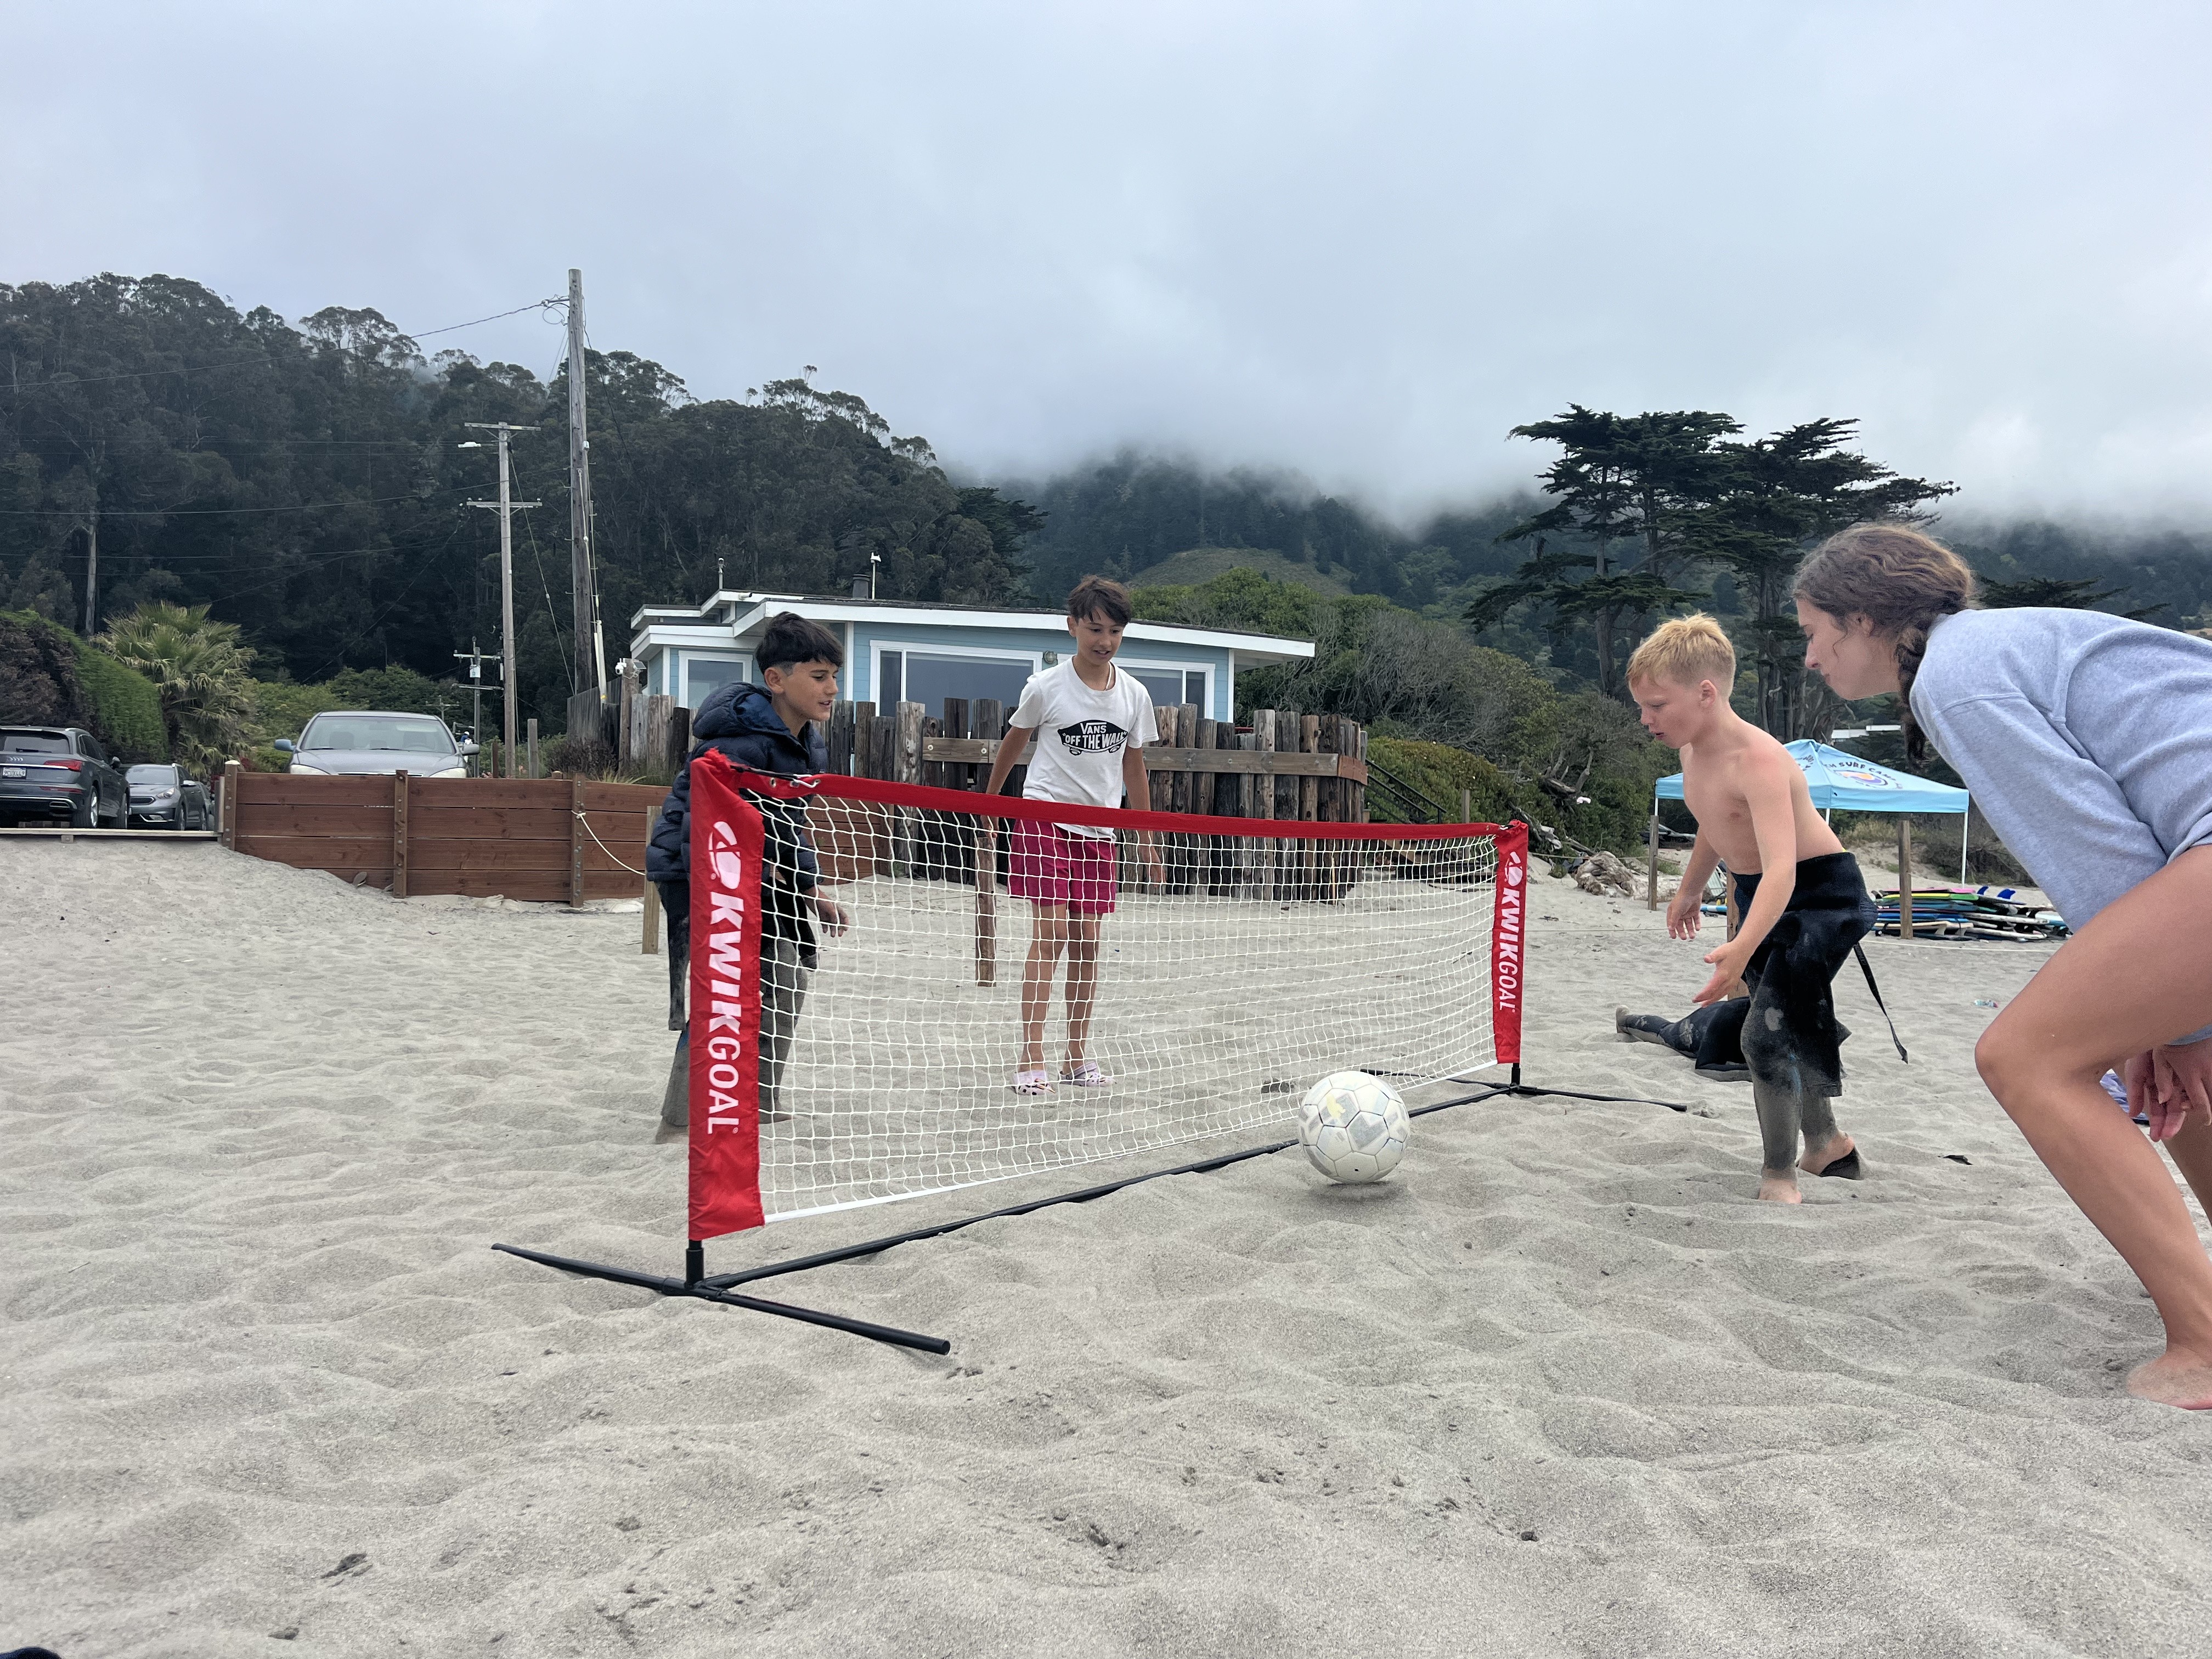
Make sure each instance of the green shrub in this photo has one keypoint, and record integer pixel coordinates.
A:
(125, 708)
(399, 690)
(280, 710)
(118, 706)
(1440, 772)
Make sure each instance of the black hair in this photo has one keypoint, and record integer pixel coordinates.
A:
(1098, 596)
(791, 640)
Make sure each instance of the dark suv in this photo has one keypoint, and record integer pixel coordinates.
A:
(50, 774)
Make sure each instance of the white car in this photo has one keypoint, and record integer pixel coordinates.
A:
(369, 743)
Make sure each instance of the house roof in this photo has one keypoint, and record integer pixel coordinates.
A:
(748, 612)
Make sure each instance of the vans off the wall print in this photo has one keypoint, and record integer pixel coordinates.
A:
(1093, 738)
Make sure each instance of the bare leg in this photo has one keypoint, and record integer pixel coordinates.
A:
(1082, 981)
(2135, 976)
(2191, 1153)
(1048, 937)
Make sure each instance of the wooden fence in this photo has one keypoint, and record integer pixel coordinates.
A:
(558, 839)
(1286, 765)
(528, 838)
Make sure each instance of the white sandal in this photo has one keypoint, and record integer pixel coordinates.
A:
(1085, 1075)
(1036, 1082)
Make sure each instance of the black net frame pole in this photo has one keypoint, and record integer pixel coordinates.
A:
(706, 1292)
(878, 1246)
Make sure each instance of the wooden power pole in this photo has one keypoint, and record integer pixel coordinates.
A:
(591, 671)
(92, 575)
(505, 506)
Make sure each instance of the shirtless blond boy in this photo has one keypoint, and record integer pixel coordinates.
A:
(1803, 903)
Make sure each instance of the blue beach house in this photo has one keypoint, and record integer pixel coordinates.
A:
(899, 652)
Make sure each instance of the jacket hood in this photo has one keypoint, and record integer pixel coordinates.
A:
(733, 710)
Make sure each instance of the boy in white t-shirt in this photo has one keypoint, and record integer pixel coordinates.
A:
(1095, 721)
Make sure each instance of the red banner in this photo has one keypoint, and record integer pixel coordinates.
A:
(1509, 935)
(726, 841)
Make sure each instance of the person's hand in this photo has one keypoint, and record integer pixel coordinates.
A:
(1685, 913)
(2171, 1086)
(835, 919)
(1155, 871)
(1729, 962)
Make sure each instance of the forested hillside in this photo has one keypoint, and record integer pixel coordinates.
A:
(306, 481)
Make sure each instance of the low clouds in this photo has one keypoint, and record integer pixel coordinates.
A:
(1360, 241)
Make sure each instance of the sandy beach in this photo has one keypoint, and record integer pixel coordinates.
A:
(1559, 1387)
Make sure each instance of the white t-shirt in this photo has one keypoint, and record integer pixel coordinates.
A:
(1081, 734)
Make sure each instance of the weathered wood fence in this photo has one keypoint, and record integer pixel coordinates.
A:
(556, 839)
(1286, 765)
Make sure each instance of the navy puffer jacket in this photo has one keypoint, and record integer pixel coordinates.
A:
(741, 720)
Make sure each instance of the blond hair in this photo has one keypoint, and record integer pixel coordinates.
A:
(1903, 581)
(1686, 650)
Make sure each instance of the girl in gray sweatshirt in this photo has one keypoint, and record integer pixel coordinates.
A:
(2087, 741)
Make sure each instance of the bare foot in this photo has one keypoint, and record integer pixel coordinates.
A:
(1837, 1156)
(1779, 1188)
(2174, 1379)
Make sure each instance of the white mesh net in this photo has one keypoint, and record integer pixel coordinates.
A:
(1262, 962)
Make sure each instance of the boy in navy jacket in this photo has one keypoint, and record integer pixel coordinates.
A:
(763, 728)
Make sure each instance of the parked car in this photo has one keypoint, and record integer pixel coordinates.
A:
(59, 773)
(367, 743)
(163, 798)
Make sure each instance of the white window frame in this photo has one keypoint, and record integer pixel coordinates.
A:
(996, 653)
(1154, 666)
(743, 659)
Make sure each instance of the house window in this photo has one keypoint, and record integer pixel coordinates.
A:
(929, 678)
(704, 675)
(1169, 686)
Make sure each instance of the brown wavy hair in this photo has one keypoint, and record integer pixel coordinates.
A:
(1901, 579)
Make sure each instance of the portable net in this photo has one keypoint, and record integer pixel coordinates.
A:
(1271, 954)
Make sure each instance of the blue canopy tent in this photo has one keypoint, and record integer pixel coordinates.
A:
(1837, 778)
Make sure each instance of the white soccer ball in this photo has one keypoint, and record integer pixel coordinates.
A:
(1354, 1126)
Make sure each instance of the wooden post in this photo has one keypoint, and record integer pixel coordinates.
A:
(1359, 746)
(864, 739)
(1904, 877)
(400, 835)
(651, 947)
(679, 735)
(1652, 873)
(576, 839)
(533, 748)
(907, 757)
(1466, 806)
(226, 816)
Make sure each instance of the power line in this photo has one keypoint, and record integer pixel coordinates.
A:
(245, 356)
(196, 512)
(535, 305)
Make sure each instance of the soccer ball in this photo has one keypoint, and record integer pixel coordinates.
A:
(1354, 1126)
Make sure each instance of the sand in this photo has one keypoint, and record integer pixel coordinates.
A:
(1557, 1387)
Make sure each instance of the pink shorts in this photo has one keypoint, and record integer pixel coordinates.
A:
(1051, 866)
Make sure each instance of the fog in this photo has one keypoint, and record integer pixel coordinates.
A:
(1361, 241)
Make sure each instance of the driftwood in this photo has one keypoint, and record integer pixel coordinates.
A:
(1603, 873)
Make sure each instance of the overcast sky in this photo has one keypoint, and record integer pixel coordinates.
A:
(1360, 241)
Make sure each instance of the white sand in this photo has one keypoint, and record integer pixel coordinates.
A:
(1558, 1388)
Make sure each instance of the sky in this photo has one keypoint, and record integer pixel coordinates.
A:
(1360, 241)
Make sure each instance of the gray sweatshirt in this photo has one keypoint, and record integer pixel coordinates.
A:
(2085, 738)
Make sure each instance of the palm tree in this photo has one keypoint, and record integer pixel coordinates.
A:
(200, 670)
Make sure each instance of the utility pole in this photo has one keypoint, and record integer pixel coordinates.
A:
(505, 506)
(91, 574)
(474, 657)
(591, 671)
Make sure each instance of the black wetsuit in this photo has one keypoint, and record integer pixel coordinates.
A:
(1791, 1040)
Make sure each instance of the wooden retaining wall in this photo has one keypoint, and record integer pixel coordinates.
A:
(519, 837)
